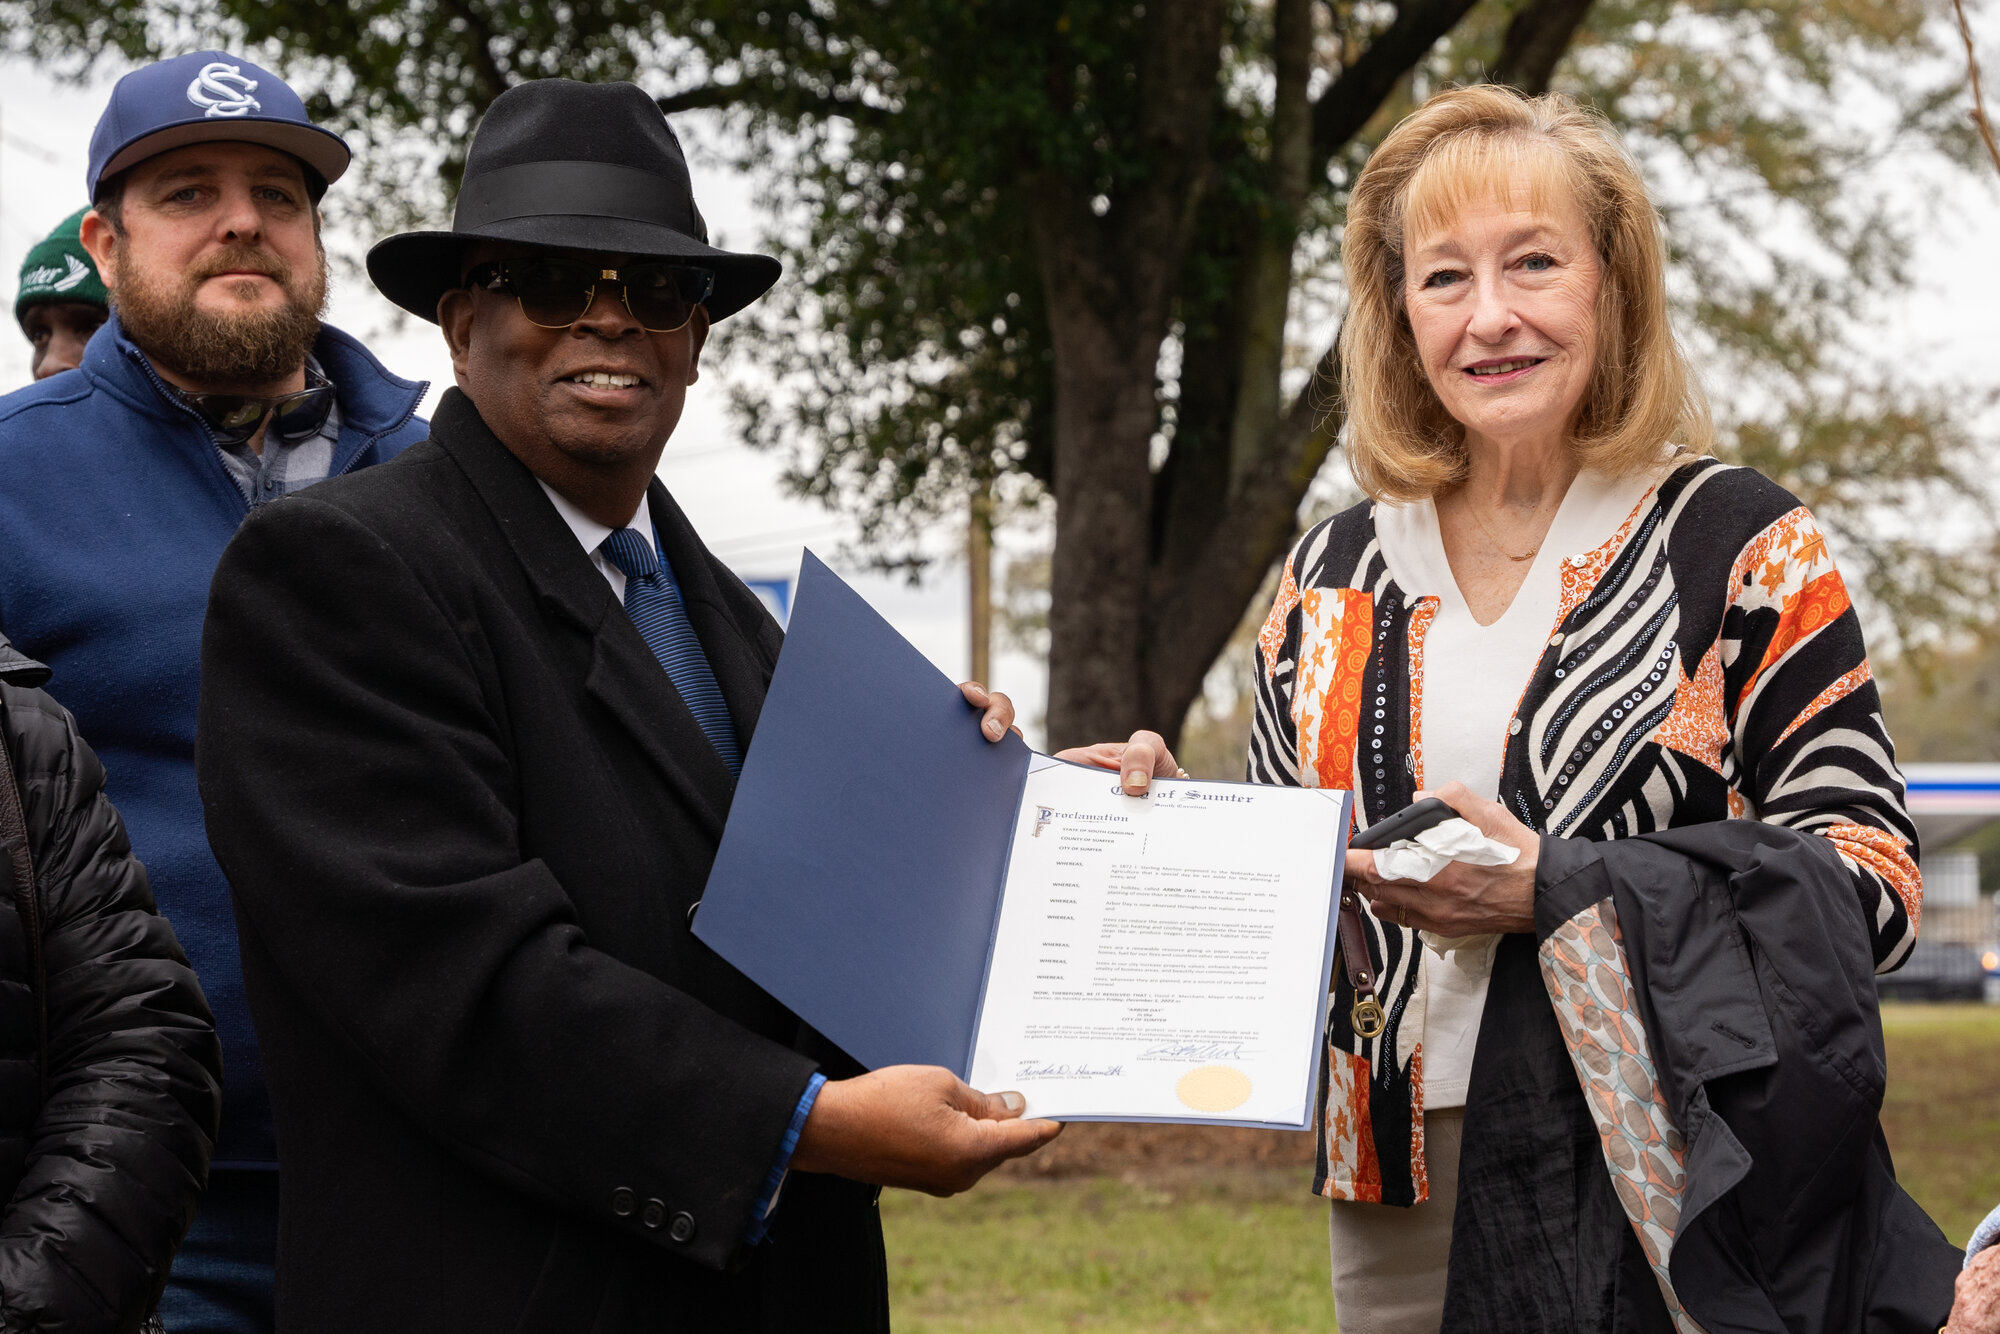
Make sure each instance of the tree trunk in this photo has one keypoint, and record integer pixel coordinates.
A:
(1211, 551)
(979, 583)
(1149, 581)
(1105, 416)
(1206, 577)
(1110, 266)
(1536, 39)
(1191, 615)
(1198, 595)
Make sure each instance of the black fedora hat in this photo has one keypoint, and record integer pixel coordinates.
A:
(576, 166)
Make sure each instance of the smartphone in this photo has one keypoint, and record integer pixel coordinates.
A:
(1406, 823)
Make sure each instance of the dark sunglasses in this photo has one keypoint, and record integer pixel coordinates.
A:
(234, 418)
(555, 291)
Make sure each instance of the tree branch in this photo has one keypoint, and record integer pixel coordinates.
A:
(699, 99)
(479, 32)
(1193, 608)
(1359, 92)
(1291, 112)
(1972, 73)
(774, 95)
(1536, 39)
(1179, 57)
(1266, 281)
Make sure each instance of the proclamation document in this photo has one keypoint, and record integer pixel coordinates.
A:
(922, 896)
(1166, 957)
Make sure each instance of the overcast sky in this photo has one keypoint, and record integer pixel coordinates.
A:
(1947, 324)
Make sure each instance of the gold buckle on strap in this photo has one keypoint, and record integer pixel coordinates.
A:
(1367, 1018)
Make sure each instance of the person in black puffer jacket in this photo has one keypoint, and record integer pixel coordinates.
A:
(110, 1073)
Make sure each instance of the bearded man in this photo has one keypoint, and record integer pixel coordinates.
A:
(212, 390)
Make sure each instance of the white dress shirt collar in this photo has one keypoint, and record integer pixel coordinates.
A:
(591, 534)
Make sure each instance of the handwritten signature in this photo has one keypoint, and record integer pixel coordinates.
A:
(1045, 1070)
(1194, 1051)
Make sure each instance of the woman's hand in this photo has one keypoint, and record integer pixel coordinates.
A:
(998, 716)
(1142, 759)
(1460, 900)
(1976, 1308)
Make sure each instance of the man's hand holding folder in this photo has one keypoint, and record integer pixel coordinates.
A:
(920, 1127)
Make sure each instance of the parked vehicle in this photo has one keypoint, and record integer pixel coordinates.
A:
(1940, 970)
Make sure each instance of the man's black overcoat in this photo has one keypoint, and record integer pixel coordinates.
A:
(464, 815)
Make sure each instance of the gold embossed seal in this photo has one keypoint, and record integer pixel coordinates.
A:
(1214, 1088)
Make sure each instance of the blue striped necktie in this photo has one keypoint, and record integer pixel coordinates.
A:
(653, 601)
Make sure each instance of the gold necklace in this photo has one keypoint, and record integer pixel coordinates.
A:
(1494, 542)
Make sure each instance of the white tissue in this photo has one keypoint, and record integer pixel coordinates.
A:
(1455, 840)
(1420, 858)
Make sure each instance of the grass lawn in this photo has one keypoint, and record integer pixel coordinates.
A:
(1184, 1229)
(1942, 1111)
(1245, 1256)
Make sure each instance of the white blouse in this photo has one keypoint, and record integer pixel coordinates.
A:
(1473, 677)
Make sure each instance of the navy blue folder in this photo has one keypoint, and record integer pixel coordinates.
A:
(860, 872)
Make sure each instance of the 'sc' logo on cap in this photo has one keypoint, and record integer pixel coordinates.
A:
(223, 91)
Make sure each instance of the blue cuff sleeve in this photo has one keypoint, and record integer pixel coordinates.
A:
(760, 1212)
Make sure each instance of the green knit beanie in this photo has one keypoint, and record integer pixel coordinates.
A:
(59, 269)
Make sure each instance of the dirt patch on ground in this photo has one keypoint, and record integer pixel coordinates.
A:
(1088, 1149)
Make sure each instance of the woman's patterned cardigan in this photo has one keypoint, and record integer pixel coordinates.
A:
(1705, 663)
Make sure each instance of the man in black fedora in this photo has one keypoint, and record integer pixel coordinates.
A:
(470, 727)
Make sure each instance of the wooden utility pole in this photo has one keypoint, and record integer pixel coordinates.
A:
(979, 563)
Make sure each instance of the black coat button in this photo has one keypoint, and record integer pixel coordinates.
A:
(655, 1214)
(682, 1228)
(623, 1202)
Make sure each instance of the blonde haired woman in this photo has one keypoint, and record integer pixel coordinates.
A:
(1561, 615)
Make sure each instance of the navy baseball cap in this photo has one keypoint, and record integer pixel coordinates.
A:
(203, 97)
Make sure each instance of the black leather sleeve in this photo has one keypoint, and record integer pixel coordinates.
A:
(118, 1154)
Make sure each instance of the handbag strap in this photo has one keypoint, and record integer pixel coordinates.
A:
(27, 903)
(1366, 1016)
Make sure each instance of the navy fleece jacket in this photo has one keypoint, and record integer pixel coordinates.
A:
(114, 509)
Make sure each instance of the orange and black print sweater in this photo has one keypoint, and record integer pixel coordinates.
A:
(1705, 664)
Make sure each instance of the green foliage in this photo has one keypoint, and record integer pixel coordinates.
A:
(1945, 706)
(911, 332)
(405, 81)
(916, 156)
(1891, 471)
(1784, 253)
(1777, 125)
